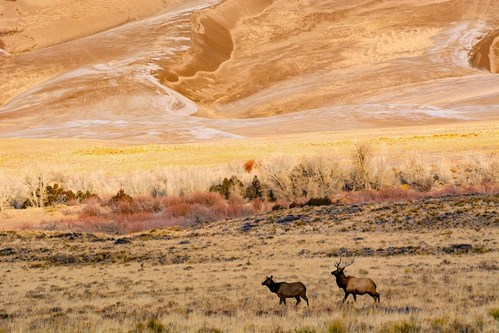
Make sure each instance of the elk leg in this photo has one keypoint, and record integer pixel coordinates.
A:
(282, 300)
(374, 296)
(305, 298)
(345, 298)
(298, 300)
(354, 297)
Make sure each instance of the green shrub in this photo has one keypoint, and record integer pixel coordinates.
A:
(438, 325)
(155, 325)
(325, 201)
(228, 187)
(121, 198)
(306, 329)
(152, 325)
(254, 190)
(494, 312)
(336, 326)
(56, 195)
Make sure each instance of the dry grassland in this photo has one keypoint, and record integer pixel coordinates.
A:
(434, 261)
(445, 141)
(462, 154)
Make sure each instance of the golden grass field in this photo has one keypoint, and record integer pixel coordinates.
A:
(446, 141)
(434, 261)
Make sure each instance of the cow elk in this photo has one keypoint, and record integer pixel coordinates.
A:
(353, 285)
(287, 290)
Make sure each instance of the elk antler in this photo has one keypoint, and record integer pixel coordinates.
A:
(337, 264)
(353, 259)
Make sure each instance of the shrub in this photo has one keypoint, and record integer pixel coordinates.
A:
(155, 326)
(316, 176)
(56, 195)
(277, 207)
(462, 327)
(306, 329)
(201, 214)
(254, 190)
(121, 197)
(336, 327)
(403, 326)
(249, 165)
(36, 183)
(494, 312)
(209, 330)
(122, 203)
(361, 159)
(420, 174)
(228, 187)
(295, 204)
(8, 191)
(325, 201)
(152, 325)
(91, 209)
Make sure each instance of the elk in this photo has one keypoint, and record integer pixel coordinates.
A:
(286, 290)
(353, 285)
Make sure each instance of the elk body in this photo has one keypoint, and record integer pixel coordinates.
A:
(353, 285)
(287, 290)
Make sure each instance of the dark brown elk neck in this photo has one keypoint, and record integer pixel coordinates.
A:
(342, 280)
(274, 286)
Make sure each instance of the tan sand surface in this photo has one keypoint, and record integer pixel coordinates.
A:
(184, 71)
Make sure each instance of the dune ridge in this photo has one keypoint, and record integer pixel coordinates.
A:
(312, 42)
(485, 54)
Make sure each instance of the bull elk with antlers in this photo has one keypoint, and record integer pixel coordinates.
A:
(353, 285)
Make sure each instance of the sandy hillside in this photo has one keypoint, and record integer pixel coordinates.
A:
(177, 71)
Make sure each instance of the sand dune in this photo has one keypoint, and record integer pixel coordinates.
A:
(175, 71)
(330, 44)
(36, 24)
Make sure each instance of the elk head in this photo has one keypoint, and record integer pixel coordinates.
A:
(339, 270)
(268, 281)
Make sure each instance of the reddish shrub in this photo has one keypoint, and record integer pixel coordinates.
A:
(258, 205)
(249, 165)
(204, 198)
(93, 208)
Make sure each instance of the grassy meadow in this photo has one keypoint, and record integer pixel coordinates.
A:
(434, 261)
(420, 218)
(86, 156)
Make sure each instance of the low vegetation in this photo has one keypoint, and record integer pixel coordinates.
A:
(434, 261)
(167, 197)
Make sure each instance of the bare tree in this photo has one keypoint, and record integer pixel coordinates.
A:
(316, 176)
(361, 159)
(276, 172)
(36, 183)
(8, 190)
